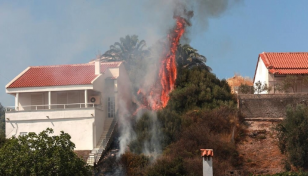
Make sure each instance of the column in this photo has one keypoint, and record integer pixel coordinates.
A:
(86, 98)
(49, 99)
(17, 102)
(207, 156)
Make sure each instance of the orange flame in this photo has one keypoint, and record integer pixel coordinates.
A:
(157, 99)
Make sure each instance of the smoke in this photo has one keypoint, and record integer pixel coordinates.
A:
(196, 14)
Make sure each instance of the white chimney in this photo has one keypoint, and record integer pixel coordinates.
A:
(207, 156)
(97, 67)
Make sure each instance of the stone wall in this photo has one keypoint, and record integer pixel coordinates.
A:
(268, 105)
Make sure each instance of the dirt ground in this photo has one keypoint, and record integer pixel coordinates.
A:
(259, 149)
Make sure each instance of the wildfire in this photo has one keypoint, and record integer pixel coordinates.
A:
(158, 96)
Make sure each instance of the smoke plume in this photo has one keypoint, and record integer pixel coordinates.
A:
(193, 16)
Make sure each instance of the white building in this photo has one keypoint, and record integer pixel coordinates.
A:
(273, 68)
(81, 100)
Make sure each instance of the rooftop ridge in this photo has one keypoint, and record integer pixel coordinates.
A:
(83, 64)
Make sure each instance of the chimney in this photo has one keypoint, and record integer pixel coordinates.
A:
(207, 156)
(97, 67)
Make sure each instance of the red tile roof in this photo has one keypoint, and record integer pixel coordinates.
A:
(286, 63)
(59, 75)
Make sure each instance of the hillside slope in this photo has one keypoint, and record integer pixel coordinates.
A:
(259, 149)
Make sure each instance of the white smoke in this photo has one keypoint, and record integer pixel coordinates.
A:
(160, 13)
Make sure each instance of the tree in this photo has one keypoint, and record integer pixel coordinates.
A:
(41, 154)
(188, 57)
(2, 125)
(293, 136)
(125, 50)
(261, 87)
(197, 88)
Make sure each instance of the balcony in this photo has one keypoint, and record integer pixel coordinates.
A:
(38, 101)
(50, 107)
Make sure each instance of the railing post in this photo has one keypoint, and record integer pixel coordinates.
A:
(64, 106)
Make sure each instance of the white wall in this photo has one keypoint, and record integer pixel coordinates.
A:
(76, 122)
(261, 74)
(100, 117)
(24, 100)
(124, 88)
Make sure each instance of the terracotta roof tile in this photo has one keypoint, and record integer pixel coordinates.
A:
(286, 63)
(207, 152)
(60, 75)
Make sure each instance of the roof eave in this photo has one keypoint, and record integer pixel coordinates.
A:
(20, 74)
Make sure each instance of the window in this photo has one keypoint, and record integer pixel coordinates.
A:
(110, 106)
(23, 133)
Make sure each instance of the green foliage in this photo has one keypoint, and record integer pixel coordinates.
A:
(197, 88)
(2, 125)
(245, 89)
(41, 154)
(188, 57)
(147, 131)
(293, 136)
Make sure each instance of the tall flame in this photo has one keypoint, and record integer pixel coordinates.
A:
(158, 96)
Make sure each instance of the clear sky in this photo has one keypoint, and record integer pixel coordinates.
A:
(56, 32)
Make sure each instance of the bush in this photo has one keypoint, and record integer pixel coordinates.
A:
(167, 167)
(134, 164)
(41, 154)
(204, 129)
(293, 136)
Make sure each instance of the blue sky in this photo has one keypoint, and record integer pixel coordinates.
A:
(58, 32)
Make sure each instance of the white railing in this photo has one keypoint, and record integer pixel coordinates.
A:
(51, 106)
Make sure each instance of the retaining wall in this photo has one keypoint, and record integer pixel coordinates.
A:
(268, 105)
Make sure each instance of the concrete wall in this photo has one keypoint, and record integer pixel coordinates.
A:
(268, 105)
(100, 117)
(76, 122)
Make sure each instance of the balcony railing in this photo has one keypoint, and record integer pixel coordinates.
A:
(48, 107)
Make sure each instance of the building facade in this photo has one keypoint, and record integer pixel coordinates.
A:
(277, 69)
(82, 100)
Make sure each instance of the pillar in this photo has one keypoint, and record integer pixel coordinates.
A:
(207, 157)
(85, 98)
(49, 99)
(17, 102)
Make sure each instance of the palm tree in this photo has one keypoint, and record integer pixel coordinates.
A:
(188, 57)
(127, 49)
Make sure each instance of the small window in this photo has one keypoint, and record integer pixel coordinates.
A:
(23, 133)
(110, 106)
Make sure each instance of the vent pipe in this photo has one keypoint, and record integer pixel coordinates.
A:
(207, 157)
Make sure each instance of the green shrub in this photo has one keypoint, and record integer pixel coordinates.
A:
(293, 136)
